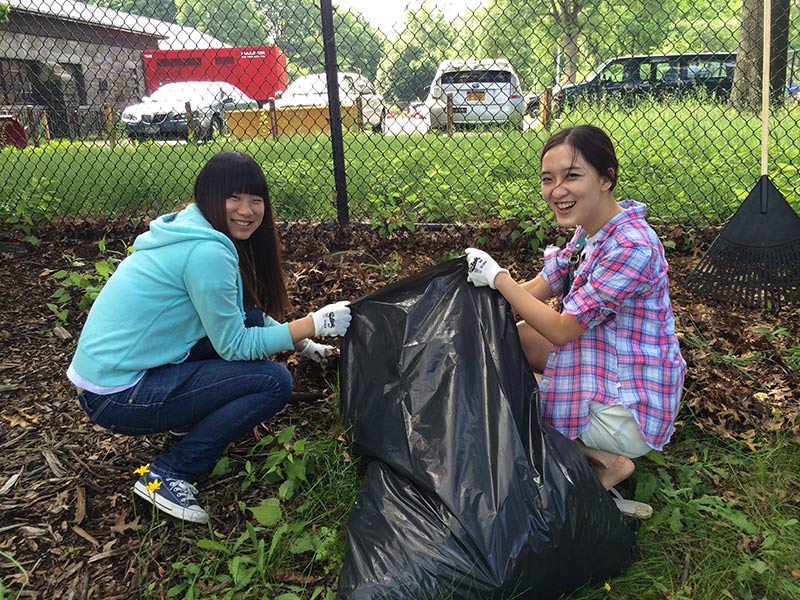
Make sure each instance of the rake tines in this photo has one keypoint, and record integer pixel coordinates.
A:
(748, 276)
(755, 260)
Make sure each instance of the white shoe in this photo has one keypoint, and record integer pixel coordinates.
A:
(631, 508)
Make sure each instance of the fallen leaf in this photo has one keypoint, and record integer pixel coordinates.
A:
(121, 526)
(80, 505)
(17, 421)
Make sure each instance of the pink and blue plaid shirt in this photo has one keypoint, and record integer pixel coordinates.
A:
(629, 354)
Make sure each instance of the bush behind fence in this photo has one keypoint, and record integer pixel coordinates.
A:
(677, 87)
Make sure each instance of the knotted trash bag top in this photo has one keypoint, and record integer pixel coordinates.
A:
(467, 493)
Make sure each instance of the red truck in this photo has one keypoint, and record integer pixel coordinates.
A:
(259, 71)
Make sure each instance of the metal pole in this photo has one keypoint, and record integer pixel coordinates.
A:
(334, 106)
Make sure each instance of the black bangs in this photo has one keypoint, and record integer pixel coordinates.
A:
(245, 178)
(229, 173)
(224, 175)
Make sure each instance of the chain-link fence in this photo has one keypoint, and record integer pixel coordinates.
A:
(439, 111)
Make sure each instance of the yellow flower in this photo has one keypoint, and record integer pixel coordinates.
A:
(153, 486)
(607, 586)
(142, 470)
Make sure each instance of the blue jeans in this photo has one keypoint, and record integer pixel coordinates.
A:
(215, 400)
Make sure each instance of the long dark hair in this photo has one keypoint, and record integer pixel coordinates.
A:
(229, 173)
(594, 145)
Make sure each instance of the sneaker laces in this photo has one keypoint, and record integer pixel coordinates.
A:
(184, 490)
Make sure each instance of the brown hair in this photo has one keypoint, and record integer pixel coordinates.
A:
(593, 144)
(229, 173)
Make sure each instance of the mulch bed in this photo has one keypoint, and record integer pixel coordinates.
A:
(65, 505)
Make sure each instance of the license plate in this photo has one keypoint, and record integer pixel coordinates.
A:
(476, 96)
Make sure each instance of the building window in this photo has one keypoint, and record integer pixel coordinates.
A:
(16, 83)
(78, 87)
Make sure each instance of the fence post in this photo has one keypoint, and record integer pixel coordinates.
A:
(191, 134)
(334, 107)
(76, 118)
(33, 125)
(108, 116)
(360, 110)
(46, 125)
(545, 107)
(449, 113)
(273, 119)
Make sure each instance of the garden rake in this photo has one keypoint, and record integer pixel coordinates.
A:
(755, 260)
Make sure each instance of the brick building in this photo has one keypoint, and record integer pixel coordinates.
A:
(70, 59)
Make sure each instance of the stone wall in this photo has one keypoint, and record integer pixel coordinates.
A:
(108, 62)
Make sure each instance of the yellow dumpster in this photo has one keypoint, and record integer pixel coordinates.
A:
(246, 124)
(288, 120)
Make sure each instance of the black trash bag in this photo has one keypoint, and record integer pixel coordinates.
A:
(467, 494)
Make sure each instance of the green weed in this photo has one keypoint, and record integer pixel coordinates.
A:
(790, 354)
(30, 206)
(22, 579)
(297, 528)
(84, 280)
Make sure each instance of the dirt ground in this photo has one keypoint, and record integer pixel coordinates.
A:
(65, 514)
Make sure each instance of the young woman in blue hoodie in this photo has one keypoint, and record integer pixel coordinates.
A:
(179, 336)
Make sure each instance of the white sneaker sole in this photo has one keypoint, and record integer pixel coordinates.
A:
(632, 508)
(194, 515)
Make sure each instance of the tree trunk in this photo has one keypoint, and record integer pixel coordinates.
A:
(746, 93)
(779, 33)
(566, 14)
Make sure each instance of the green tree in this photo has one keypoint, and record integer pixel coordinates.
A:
(518, 31)
(235, 22)
(163, 10)
(359, 45)
(411, 60)
(563, 41)
(710, 25)
(4, 12)
(296, 27)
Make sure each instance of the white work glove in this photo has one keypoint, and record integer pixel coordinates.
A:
(482, 268)
(319, 353)
(333, 319)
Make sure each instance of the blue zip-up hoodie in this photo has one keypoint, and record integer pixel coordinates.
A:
(181, 284)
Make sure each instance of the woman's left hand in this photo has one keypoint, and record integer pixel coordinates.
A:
(319, 353)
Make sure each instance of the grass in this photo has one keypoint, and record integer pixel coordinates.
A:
(726, 525)
(727, 518)
(692, 162)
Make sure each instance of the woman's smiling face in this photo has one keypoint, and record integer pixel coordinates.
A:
(574, 190)
(244, 213)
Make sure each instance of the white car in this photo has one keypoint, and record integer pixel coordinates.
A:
(163, 114)
(484, 91)
(312, 90)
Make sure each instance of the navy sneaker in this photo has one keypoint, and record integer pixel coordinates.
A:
(174, 497)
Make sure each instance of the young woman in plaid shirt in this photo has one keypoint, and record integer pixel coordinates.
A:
(612, 371)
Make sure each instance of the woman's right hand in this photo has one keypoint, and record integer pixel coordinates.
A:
(333, 319)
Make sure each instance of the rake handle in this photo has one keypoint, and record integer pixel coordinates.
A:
(765, 77)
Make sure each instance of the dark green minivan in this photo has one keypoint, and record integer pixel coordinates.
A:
(629, 78)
